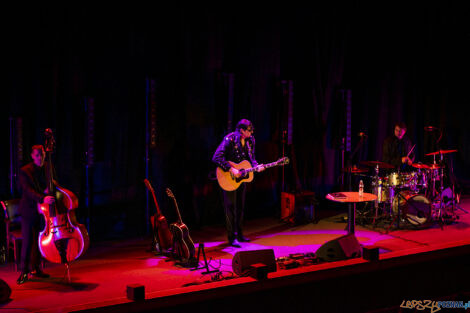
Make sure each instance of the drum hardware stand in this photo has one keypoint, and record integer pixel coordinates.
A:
(397, 217)
(378, 189)
(453, 201)
(453, 194)
(441, 208)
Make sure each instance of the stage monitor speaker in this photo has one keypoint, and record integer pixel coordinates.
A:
(342, 248)
(5, 291)
(243, 260)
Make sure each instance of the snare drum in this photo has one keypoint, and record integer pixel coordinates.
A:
(409, 180)
(402, 180)
(384, 191)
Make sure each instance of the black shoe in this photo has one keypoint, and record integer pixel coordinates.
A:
(234, 243)
(243, 239)
(22, 279)
(40, 274)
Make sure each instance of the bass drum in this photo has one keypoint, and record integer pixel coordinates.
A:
(415, 208)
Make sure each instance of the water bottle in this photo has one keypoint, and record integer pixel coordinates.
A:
(361, 188)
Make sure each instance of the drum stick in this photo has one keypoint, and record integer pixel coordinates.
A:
(411, 150)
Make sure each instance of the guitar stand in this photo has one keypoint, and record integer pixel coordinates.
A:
(206, 265)
(186, 263)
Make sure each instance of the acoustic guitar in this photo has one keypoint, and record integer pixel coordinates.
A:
(183, 245)
(229, 182)
(162, 237)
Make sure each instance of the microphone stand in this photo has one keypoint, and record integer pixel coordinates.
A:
(283, 140)
(350, 158)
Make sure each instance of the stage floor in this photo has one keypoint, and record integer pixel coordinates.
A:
(100, 277)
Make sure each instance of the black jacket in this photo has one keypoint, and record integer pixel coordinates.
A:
(32, 184)
(394, 149)
(231, 149)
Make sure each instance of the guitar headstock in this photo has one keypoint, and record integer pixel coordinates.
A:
(283, 161)
(170, 193)
(148, 184)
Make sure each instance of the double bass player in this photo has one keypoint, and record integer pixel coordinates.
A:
(62, 239)
(32, 178)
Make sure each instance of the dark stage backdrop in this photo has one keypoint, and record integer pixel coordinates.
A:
(400, 62)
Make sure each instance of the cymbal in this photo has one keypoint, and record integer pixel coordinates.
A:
(435, 166)
(420, 165)
(354, 169)
(442, 152)
(377, 163)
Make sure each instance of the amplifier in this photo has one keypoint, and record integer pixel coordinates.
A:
(297, 208)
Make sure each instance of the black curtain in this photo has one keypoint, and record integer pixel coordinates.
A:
(400, 62)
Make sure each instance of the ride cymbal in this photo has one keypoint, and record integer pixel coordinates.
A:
(354, 169)
(441, 152)
(420, 165)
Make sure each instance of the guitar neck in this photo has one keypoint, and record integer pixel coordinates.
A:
(150, 188)
(267, 165)
(178, 211)
(156, 204)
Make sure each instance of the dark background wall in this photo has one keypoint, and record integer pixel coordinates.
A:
(401, 62)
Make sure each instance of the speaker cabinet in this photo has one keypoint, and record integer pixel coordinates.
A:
(5, 292)
(298, 208)
(135, 292)
(243, 260)
(342, 248)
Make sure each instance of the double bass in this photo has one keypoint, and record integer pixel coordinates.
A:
(63, 239)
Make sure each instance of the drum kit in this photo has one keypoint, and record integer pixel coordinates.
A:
(416, 197)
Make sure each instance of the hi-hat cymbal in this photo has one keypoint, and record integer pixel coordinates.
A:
(377, 163)
(435, 166)
(354, 169)
(420, 165)
(442, 152)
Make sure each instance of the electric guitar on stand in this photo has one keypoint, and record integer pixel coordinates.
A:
(228, 182)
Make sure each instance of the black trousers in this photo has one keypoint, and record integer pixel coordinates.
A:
(234, 205)
(30, 255)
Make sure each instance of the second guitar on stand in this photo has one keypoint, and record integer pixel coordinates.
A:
(183, 245)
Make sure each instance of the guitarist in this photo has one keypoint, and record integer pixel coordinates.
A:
(236, 147)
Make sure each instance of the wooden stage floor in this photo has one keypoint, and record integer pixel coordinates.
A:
(100, 277)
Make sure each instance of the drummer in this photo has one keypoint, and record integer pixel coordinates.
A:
(398, 149)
